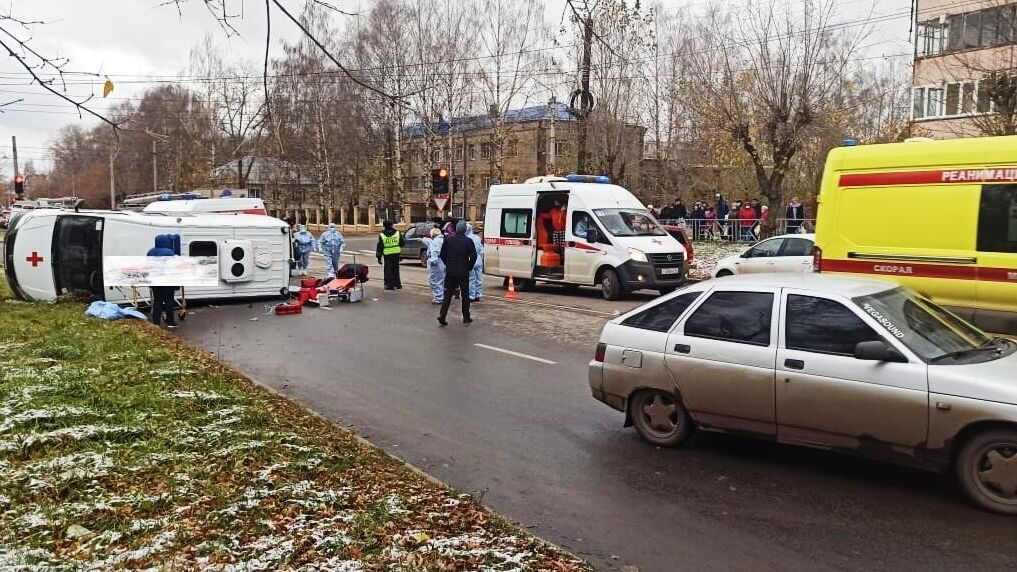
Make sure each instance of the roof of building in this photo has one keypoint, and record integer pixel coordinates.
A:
(560, 112)
(263, 170)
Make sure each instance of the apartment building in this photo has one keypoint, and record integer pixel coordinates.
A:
(467, 146)
(965, 53)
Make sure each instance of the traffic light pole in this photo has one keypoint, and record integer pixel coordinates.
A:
(14, 146)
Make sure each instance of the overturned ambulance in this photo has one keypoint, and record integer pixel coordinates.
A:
(48, 253)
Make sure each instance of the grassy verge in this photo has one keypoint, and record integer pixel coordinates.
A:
(122, 448)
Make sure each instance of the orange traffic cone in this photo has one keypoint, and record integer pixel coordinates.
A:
(511, 294)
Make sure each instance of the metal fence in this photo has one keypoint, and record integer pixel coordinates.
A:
(740, 230)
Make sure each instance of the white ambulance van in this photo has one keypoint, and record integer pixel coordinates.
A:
(579, 230)
(231, 205)
(49, 252)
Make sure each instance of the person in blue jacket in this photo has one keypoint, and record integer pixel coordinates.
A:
(435, 267)
(162, 296)
(477, 273)
(331, 244)
(305, 244)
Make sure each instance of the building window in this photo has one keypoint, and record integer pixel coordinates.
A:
(473, 153)
(512, 148)
(459, 154)
(436, 155)
(968, 97)
(562, 147)
(981, 29)
(485, 150)
(487, 181)
(471, 182)
(254, 193)
(931, 37)
(934, 102)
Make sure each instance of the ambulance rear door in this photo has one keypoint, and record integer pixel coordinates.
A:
(77, 254)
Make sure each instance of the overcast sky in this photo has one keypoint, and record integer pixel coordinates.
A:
(131, 40)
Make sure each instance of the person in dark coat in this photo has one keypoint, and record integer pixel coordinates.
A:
(459, 255)
(162, 296)
(679, 209)
(795, 215)
(390, 245)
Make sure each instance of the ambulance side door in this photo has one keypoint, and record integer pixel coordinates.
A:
(515, 245)
(581, 256)
(996, 288)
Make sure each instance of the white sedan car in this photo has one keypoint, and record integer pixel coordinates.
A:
(785, 253)
(853, 365)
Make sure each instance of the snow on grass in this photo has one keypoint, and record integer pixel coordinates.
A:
(26, 441)
(36, 415)
(199, 395)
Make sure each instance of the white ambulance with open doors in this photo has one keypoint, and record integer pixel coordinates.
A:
(579, 230)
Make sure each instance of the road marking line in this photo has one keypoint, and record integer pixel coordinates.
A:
(517, 354)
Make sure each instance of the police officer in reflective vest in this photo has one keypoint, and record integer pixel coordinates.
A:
(390, 244)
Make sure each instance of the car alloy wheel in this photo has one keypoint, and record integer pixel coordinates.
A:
(659, 418)
(987, 469)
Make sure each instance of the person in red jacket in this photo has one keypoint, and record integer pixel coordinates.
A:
(747, 219)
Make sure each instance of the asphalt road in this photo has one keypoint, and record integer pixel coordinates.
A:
(501, 408)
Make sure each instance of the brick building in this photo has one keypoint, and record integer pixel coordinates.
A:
(962, 51)
(467, 147)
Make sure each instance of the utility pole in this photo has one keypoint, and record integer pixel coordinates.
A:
(112, 184)
(13, 145)
(155, 168)
(551, 147)
(585, 100)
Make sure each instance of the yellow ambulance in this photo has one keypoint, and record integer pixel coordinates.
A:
(937, 216)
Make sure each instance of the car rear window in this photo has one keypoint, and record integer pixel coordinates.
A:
(661, 317)
(741, 317)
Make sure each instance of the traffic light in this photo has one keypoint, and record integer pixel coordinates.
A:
(19, 186)
(439, 181)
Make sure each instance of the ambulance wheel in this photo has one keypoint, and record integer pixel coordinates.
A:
(724, 273)
(610, 286)
(423, 258)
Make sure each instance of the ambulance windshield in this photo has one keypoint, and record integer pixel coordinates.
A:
(629, 222)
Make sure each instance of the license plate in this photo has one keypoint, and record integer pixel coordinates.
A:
(670, 270)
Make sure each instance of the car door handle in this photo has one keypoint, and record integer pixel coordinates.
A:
(794, 364)
(682, 348)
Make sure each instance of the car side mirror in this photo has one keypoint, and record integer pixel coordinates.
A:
(878, 350)
(592, 235)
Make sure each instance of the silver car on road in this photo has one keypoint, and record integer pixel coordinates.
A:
(857, 365)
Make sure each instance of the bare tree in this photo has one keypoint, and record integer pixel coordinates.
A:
(769, 78)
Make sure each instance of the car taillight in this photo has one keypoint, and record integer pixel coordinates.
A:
(817, 259)
(601, 350)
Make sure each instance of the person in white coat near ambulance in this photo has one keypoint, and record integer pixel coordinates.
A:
(477, 274)
(435, 267)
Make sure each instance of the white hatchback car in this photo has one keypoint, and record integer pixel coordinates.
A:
(850, 364)
(785, 253)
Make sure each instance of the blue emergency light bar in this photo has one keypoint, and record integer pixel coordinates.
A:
(601, 179)
(849, 143)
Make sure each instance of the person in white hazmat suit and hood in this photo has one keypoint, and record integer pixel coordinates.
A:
(435, 267)
(305, 243)
(331, 244)
(477, 274)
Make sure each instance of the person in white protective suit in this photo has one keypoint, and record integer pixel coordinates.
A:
(331, 244)
(305, 244)
(435, 267)
(477, 274)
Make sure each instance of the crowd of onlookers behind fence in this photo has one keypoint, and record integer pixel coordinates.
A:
(737, 221)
